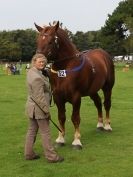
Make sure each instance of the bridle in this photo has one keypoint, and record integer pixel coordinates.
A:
(54, 47)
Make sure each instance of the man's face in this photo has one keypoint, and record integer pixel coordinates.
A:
(40, 63)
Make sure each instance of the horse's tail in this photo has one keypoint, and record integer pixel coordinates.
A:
(110, 68)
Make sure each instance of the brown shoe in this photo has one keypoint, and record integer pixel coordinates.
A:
(32, 157)
(60, 159)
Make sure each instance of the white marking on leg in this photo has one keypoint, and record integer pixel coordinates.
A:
(77, 138)
(100, 125)
(76, 142)
(107, 127)
(60, 139)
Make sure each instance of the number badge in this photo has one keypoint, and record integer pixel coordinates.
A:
(62, 73)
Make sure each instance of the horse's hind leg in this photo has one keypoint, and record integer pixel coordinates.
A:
(97, 101)
(107, 106)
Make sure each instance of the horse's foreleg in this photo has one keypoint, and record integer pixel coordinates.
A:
(97, 101)
(107, 106)
(62, 118)
(76, 121)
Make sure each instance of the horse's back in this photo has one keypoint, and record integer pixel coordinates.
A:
(101, 60)
(103, 68)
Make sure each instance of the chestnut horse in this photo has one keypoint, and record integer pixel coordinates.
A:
(74, 75)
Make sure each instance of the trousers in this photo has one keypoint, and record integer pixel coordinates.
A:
(43, 126)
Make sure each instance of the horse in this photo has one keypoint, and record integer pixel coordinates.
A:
(76, 74)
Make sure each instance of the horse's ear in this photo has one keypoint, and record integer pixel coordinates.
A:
(39, 28)
(56, 26)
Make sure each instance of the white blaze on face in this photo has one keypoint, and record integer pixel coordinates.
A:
(43, 37)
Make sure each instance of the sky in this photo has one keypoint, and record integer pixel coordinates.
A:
(76, 15)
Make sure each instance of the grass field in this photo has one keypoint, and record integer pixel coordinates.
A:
(103, 154)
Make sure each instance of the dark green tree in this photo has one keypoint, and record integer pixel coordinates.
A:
(26, 39)
(118, 29)
(17, 44)
(86, 41)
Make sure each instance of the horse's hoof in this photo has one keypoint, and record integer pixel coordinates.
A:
(109, 130)
(100, 129)
(77, 147)
(57, 145)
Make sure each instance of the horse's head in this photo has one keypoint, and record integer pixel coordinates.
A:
(47, 40)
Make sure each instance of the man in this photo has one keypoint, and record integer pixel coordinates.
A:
(37, 108)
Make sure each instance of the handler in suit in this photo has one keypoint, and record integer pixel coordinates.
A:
(37, 109)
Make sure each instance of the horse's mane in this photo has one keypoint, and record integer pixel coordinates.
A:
(64, 37)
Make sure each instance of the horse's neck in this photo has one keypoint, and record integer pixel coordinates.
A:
(65, 61)
(61, 64)
(66, 51)
(65, 54)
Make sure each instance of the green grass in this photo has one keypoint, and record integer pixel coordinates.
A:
(103, 154)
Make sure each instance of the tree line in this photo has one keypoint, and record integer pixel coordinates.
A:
(116, 37)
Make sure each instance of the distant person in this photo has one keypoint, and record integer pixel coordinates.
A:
(20, 63)
(7, 69)
(27, 67)
(39, 95)
(19, 67)
(13, 69)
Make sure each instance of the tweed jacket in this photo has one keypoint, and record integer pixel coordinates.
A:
(39, 91)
